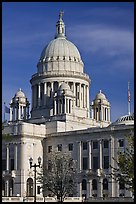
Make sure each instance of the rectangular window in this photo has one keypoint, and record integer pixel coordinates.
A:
(95, 145)
(95, 163)
(3, 164)
(59, 147)
(49, 165)
(70, 147)
(84, 145)
(106, 162)
(121, 143)
(12, 164)
(106, 144)
(49, 149)
(85, 163)
(38, 189)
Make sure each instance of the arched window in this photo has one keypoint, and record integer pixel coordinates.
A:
(105, 184)
(121, 185)
(29, 187)
(94, 184)
(84, 184)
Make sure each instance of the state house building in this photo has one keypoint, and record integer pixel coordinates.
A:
(63, 119)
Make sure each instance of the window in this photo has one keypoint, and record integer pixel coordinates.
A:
(106, 162)
(94, 184)
(106, 144)
(95, 162)
(59, 147)
(49, 165)
(12, 164)
(38, 189)
(49, 149)
(95, 145)
(105, 184)
(70, 147)
(121, 185)
(85, 163)
(3, 164)
(121, 143)
(84, 184)
(84, 145)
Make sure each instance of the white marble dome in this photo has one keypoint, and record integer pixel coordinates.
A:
(101, 96)
(60, 54)
(20, 94)
(65, 89)
(60, 48)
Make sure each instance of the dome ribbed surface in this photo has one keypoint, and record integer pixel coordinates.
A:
(60, 47)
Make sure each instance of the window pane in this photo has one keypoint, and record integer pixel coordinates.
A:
(106, 162)
(95, 145)
(3, 164)
(84, 185)
(94, 184)
(84, 145)
(85, 163)
(49, 149)
(106, 144)
(95, 162)
(121, 143)
(70, 147)
(12, 164)
(59, 147)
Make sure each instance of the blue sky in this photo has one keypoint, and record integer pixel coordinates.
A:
(103, 33)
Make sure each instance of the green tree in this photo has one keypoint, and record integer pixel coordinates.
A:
(6, 137)
(59, 176)
(124, 173)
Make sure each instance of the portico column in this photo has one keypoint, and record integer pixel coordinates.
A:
(80, 92)
(108, 114)
(89, 188)
(7, 187)
(11, 115)
(15, 156)
(100, 154)
(79, 191)
(90, 154)
(74, 91)
(45, 92)
(19, 114)
(54, 106)
(39, 92)
(83, 96)
(79, 156)
(52, 89)
(112, 163)
(7, 159)
(88, 103)
(100, 187)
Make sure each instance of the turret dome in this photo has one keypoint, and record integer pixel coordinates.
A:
(20, 94)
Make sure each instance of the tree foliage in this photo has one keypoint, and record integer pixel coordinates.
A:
(124, 173)
(59, 175)
(6, 137)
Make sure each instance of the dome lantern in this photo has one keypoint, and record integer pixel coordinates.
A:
(60, 27)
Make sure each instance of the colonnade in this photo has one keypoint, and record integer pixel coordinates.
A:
(43, 92)
(101, 113)
(15, 156)
(18, 112)
(98, 173)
